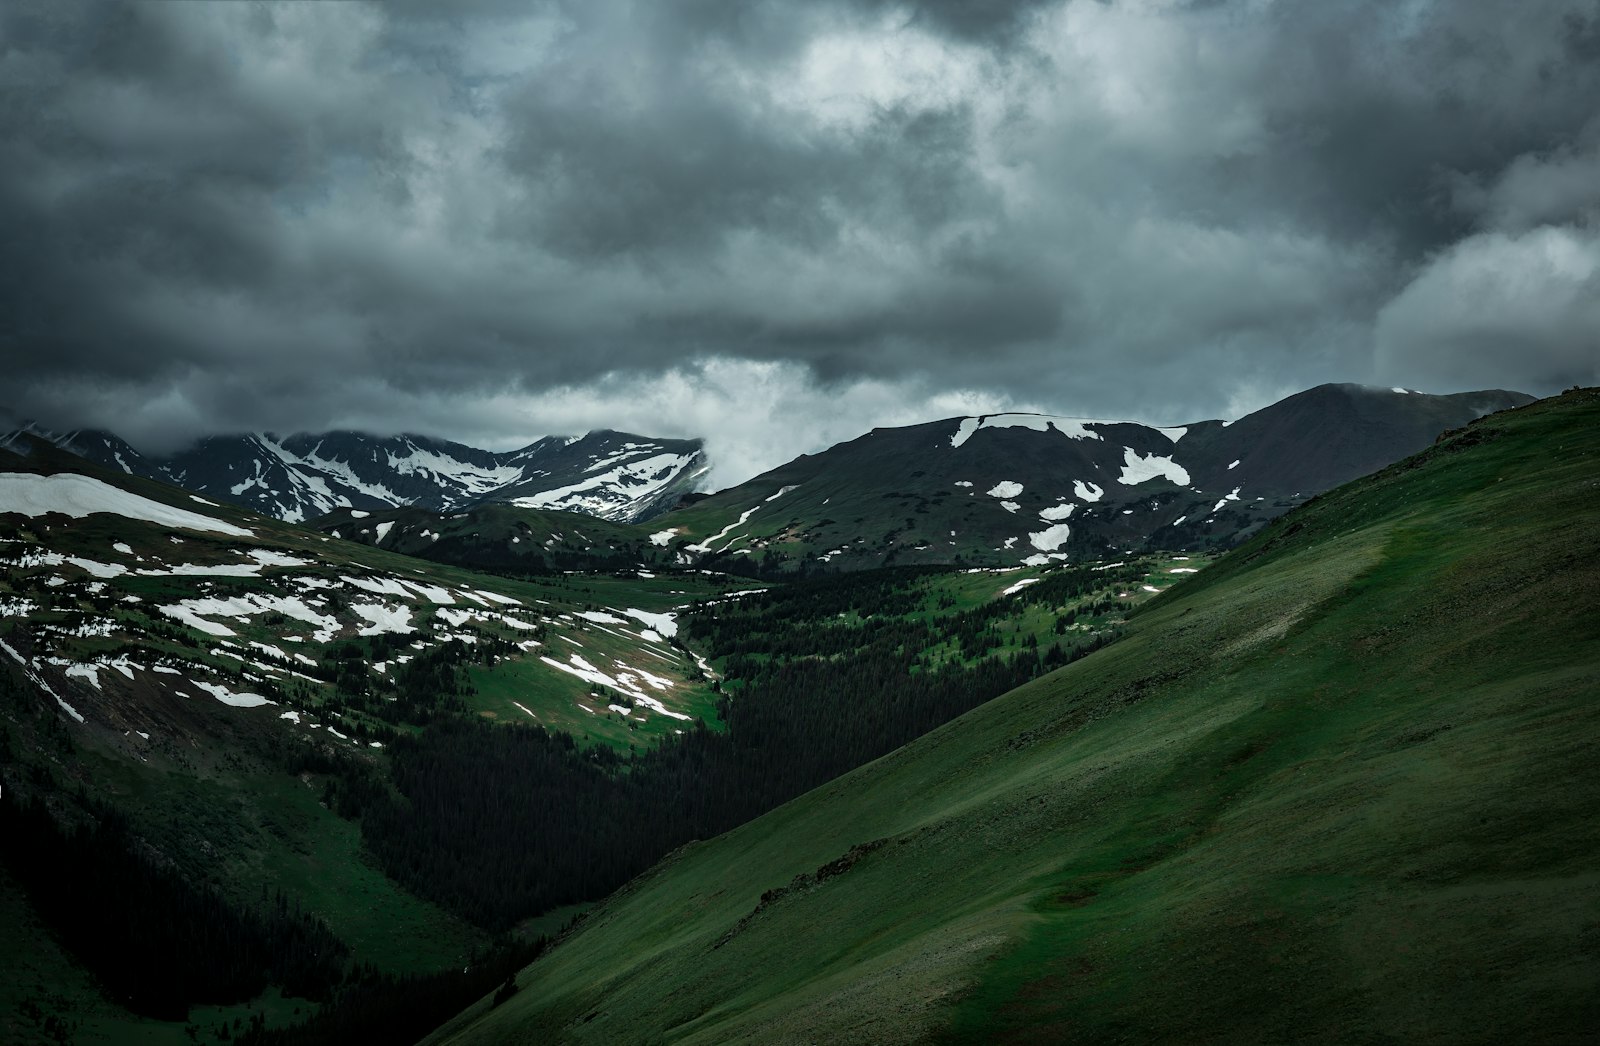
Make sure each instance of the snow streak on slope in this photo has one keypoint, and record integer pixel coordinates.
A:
(1073, 428)
(608, 494)
(474, 479)
(705, 546)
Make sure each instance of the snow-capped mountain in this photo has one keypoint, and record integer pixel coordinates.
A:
(1032, 488)
(613, 475)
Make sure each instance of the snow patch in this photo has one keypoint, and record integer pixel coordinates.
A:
(384, 618)
(79, 496)
(665, 624)
(1072, 428)
(228, 697)
(1226, 498)
(1050, 538)
(495, 597)
(1138, 469)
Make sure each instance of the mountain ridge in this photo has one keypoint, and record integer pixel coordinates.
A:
(1012, 488)
(612, 475)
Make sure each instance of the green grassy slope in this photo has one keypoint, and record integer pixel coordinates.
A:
(1340, 787)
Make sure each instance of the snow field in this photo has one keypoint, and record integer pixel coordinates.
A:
(78, 496)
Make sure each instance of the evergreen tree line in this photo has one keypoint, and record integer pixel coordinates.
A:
(830, 616)
(501, 823)
(383, 1008)
(157, 942)
(496, 555)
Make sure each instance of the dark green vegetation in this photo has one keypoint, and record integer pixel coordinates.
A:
(1340, 787)
(501, 824)
(109, 903)
(373, 841)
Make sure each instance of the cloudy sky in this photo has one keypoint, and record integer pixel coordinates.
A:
(778, 224)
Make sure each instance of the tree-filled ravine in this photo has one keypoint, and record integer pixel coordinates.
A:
(500, 823)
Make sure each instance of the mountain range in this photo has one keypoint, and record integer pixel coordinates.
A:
(993, 490)
(612, 475)
(1030, 488)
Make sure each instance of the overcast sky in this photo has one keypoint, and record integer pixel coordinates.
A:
(779, 224)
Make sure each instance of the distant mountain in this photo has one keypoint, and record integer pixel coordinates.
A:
(612, 475)
(1030, 488)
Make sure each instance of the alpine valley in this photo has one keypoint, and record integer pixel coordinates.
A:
(1011, 727)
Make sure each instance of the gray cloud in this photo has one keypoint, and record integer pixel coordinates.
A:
(494, 220)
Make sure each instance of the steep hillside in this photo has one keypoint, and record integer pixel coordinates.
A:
(217, 696)
(1025, 488)
(1339, 787)
(612, 475)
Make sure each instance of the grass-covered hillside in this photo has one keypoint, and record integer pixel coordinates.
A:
(1339, 787)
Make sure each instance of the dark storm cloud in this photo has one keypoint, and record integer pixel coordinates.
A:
(474, 218)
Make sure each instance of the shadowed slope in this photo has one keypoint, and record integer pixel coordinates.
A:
(1339, 787)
